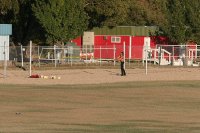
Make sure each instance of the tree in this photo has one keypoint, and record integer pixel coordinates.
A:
(8, 10)
(177, 19)
(19, 14)
(106, 12)
(148, 13)
(192, 17)
(25, 26)
(177, 27)
(62, 20)
(184, 20)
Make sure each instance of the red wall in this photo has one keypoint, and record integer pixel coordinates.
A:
(77, 41)
(137, 43)
(137, 47)
(107, 47)
(107, 52)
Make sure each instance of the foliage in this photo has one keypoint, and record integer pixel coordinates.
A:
(8, 10)
(19, 13)
(26, 26)
(177, 19)
(107, 12)
(62, 20)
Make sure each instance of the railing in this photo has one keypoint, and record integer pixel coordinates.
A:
(158, 55)
(168, 53)
(104, 55)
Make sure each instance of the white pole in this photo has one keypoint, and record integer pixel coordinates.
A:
(155, 56)
(192, 57)
(100, 55)
(30, 69)
(86, 54)
(22, 56)
(143, 54)
(39, 55)
(114, 54)
(5, 60)
(196, 52)
(55, 54)
(146, 58)
(124, 56)
(130, 49)
(71, 50)
(39, 61)
(68, 56)
(173, 56)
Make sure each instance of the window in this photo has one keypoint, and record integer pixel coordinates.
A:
(115, 39)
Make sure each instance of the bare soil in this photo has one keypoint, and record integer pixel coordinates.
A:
(97, 76)
(36, 105)
(156, 107)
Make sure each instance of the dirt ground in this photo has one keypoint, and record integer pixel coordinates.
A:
(157, 107)
(151, 107)
(96, 76)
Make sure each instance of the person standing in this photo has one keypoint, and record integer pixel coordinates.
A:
(121, 59)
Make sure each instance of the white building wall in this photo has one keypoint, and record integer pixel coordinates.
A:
(4, 40)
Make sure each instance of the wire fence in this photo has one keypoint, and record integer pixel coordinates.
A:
(71, 56)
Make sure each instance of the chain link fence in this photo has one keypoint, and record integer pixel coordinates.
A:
(73, 56)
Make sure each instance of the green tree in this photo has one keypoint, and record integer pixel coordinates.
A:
(184, 20)
(106, 12)
(176, 17)
(8, 10)
(19, 14)
(62, 20)
(192, 16)
(149, 13)
(25, 25)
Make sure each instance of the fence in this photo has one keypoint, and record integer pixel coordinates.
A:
(55, 56)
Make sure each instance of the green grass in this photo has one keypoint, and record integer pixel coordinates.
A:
(132, 107)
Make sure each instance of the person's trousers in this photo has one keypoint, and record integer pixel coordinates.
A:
(123, 73)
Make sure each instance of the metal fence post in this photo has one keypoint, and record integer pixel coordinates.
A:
(114, 55)
(129, 61)
(146, 54)
(130, 49)
(160, 54)
(55, 55)
(39, 56)
(30, 69)
(86, 54)
(22, 57)
(5, 61)
(71, 50)
(100, 55)
(155, 56)
(124, 55)
(173, 55)
(68, 55)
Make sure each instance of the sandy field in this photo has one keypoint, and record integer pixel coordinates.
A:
(156, 107)
(97, 76)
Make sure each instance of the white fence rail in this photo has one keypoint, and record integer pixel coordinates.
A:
(174, 55)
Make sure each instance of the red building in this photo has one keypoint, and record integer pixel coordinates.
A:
(101, 42)
(107, 43)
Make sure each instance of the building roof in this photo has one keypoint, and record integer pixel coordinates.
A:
(5, 29)
(127, 30)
